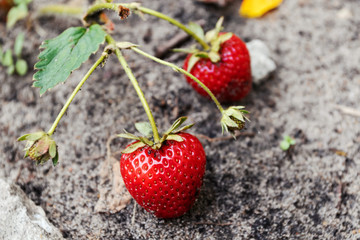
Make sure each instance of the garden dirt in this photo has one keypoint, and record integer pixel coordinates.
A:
(252, 189)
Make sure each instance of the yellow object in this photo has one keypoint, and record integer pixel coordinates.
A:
(257, 8)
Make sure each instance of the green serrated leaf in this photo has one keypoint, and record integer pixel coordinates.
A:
(15, 14)
(197, 29)
(192, 61)
(55, 160)
(175, 137)
(19, 41)
(65, 53)
(7, 59)
(31, 136)
(134, 147)
(52, 149)
(144, 128)
(21, 67)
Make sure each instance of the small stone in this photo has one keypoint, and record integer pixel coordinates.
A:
(20, 218)
(261, 63)
(344, 13)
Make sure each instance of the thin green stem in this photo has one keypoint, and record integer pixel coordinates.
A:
(137, 88)
(61, 9)
(76, 90)
(176, 23)
(176, 68)
(136, 7)
(101, 6)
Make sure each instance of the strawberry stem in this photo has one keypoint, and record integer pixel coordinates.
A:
(76, 90)
(136, 7)
(178, 69)
(138, 90)
(176, 23)
(61, 9)
(101, 6)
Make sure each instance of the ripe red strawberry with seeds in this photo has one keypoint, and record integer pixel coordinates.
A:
(164, 178)
(224, 68)
(165, 181)
(230, 78)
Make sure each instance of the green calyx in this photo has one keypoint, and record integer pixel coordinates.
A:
(212, 38)
(233, 119)
(145, 130)
(40, 147)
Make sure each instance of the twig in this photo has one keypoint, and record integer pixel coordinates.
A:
(108, 148)
(108, 154)
(217, 139)
(38, 29)
(179, 38)
(340, 190)
(19, 173)
(116, 153)
(348, 110)
(338, 152)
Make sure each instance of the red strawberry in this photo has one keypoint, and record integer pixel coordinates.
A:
(229, 79)
(166, 181)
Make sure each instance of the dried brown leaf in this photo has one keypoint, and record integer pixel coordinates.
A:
(113, 194)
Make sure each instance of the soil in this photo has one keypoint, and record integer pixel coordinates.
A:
(252, 189)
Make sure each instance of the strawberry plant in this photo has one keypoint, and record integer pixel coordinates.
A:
(14, 10)
(163, 172)
(287, 143)
(7, 60)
